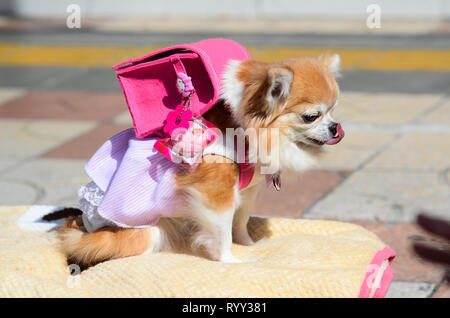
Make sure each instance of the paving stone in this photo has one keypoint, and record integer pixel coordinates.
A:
(353, 150)
(408, 266)
(8, 94)
(443, 291)
(84, 146)
(374, 226)
(409, 290)
(34, 77)
(297, 193)
(5, 164)
(392, 195)
(383, 108)
(373, 82)
(65, 105)
(283, 26)
(95, 80)
(24, 138)
(123, 119)
(440, 115)
(253, 32)
(18, 192)
(382, 82)
(416, 151)
(58, 179)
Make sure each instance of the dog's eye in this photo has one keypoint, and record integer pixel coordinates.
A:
(310, 118)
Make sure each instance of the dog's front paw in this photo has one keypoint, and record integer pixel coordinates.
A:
(229, 258)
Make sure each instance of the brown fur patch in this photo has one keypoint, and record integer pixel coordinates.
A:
(313, 83)
(214, 179)
(220, 117)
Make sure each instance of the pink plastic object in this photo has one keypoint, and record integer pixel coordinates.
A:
(176, 120)
(149, 82)
(186, 145)
(184, 83)
(372, 270)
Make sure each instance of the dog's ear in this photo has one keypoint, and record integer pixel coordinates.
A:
(333, 62)
(261, 87)
(279, 80)
(238, 76)
(232, 85)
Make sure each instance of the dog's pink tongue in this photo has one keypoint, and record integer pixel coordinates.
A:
(339, 137)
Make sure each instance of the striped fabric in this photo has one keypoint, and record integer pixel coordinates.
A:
(138, 181)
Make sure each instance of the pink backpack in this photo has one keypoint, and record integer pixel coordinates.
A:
(150, 82)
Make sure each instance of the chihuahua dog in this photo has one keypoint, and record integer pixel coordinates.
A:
(296, 97)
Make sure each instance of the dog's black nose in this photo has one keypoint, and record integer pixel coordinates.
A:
(333, 128)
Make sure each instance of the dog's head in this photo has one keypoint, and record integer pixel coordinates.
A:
(297, 96)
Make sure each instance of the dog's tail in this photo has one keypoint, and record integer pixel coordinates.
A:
(62, 214)
(88, 249)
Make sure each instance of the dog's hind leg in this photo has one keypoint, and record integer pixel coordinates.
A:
(88, 249)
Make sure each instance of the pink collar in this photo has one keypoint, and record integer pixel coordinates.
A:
(246, 170)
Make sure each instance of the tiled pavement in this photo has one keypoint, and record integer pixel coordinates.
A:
(392, 164)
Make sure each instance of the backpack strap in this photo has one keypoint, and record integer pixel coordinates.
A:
(246, 170)
(177, 64)
(184, 82)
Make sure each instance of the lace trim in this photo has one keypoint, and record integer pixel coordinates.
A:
(91, 193)
(90, 197)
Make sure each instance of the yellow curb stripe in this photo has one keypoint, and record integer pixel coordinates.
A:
(351, 58)
(416, 60)
(16, 54)
(70, 56)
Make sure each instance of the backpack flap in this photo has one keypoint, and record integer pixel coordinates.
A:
(150, 82)
(151, 91)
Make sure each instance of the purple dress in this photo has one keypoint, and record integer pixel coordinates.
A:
(133, 185)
